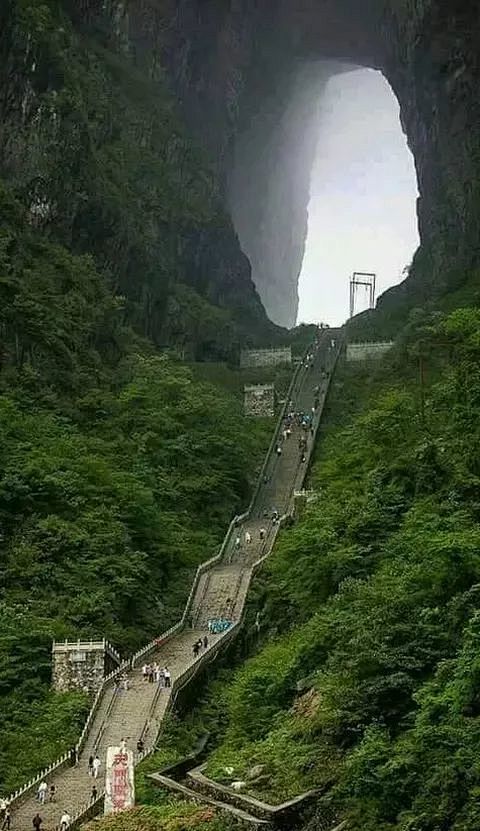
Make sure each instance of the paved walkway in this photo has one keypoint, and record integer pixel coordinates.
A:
(221, 593)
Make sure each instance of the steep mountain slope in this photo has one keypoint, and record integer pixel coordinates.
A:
(92, 146)
(364, 679)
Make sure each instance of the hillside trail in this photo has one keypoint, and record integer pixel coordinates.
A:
(221, 593)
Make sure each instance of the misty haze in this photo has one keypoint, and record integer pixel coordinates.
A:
(362, 209)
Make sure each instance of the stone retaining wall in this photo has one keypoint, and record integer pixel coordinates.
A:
(259, 400)
(285, 813)
(367, 351)
(81, 666)
(265, 357)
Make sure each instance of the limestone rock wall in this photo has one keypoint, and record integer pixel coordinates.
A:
(233, 64)
(237, 69)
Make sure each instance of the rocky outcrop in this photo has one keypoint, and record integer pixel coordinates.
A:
(268, 188)
(93, 147)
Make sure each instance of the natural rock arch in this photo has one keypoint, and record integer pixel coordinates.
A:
(234, 65)
(230, 62)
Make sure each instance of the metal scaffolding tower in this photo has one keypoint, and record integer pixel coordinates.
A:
(359, 279)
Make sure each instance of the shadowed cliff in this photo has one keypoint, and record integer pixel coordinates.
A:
(102, 87)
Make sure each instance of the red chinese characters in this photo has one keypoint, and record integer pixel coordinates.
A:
(120, 781)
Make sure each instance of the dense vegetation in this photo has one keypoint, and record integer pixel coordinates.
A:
(173, 815)
(119, 472)
(368, 684)
(120, 466)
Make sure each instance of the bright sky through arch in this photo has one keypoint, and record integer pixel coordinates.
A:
(362, 210)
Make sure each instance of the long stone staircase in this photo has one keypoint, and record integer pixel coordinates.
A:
(219, 592)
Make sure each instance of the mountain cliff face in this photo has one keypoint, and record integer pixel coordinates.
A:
(88, 114)
(234, 69)
(93, 147)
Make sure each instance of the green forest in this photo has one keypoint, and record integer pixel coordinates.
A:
(364, 680)
(120, 469)
(121, 465)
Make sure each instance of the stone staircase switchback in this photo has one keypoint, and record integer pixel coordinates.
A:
(220, 593)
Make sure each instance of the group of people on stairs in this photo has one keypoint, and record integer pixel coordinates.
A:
(154, 673)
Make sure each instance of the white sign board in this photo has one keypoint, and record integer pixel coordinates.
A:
(120, 782)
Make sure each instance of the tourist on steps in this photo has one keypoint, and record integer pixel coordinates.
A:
(195, 649)
(90, 764)
(7, 820)
(96, 766)
(65, 821)
(37, 822)
(237, 542)
(262, 533)
(248, 537)
(42, 792)
(140, 746)
(168, 677)
(205, 642)
(94, 794)
(52, 793)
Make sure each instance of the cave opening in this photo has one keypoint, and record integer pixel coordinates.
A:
(323, 184)
(363, 192)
